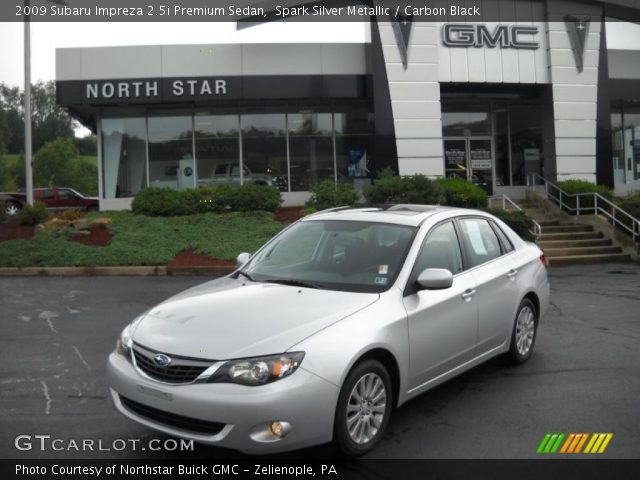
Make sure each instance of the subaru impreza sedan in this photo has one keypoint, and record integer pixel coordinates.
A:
(340, 318)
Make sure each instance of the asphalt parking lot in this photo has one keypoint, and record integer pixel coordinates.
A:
(55, 335)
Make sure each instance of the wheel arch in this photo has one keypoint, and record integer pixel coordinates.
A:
(533, 296)
(390, 363)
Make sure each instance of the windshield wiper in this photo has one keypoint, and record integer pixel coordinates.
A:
(292, 283)
(249, 277)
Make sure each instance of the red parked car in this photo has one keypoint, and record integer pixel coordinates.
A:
(62, 198)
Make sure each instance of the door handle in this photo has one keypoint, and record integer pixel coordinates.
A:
(512, 273)
(468, 293)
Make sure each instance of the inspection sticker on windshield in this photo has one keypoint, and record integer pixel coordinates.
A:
(380, 281)
(383, 269)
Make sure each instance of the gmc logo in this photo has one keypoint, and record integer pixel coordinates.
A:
(505, 36)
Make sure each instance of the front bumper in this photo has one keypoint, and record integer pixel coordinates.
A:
(303, 400)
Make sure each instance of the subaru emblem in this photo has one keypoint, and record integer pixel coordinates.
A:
(161, 360)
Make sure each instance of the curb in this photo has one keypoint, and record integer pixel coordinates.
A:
(218, 271)
(158, 270)
(83, 271)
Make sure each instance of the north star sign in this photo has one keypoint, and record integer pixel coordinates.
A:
(467, 35)
(148, 89)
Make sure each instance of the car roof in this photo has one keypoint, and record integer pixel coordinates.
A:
(400, 214)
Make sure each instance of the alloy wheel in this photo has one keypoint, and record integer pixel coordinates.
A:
(366, 408)
(525, 330)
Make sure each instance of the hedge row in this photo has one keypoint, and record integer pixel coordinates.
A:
(456, 192)
(166, 202)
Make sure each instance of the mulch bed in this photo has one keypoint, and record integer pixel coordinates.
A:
(12, 230)
(98, 237)
(288, 214)
(189, 258)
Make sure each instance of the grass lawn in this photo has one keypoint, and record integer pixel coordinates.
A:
(142, 240)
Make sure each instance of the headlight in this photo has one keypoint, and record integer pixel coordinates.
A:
(258, 371)
(124, 342)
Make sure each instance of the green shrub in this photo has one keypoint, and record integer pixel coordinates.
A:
(253, 197)
(3, 214)
(518, 220)
(390, 188)
(631, 205)
(307, 211)
(166, 202)
(582, 186)
(161, 202)
(457, 192)
(32, 215)
(327, 195)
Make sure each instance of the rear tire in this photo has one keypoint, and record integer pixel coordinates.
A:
(364, 408)
(523, 336)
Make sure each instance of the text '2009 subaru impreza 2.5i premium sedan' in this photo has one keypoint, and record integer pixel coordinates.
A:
(338, 319)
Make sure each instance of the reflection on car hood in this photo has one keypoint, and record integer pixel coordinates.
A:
(229, 318)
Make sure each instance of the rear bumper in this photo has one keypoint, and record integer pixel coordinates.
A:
(305, 401)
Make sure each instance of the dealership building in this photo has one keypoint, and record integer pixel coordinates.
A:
(495, 102)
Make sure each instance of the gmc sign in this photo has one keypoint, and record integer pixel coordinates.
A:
(504, 36)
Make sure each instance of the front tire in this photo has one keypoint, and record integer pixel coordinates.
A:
(12, 209)
(364, 408)
(523, 337)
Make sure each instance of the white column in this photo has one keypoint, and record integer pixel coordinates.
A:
(575, 95)
(415, 98)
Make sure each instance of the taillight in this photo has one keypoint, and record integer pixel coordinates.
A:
(544, 260)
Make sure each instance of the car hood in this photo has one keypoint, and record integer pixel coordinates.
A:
(231, 318)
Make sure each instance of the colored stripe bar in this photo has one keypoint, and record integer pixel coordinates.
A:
(605, 443)
(581, 443)
(599, 440)
(567, 443)
(555, 447)
(543, 443)
(591, 442)
(574, 443)
(550, 443)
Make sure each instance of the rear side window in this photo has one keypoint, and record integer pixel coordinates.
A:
(507, 246)
(480, 239)
(66, 195)
(46, 195)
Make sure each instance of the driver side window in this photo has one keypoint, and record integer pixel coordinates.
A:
(440, 249)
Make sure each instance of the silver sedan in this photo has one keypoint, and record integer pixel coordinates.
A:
(338, 319)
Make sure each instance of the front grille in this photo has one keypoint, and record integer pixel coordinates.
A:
(171, 419)
(181, 370)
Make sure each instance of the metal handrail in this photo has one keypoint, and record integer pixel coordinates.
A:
(537, 229)
(599, 204)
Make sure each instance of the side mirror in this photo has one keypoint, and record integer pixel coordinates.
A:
(242, 259)
(435, 279)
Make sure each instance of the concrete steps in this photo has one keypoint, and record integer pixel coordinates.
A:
(582, 259)
(593, 242)
(567, 243)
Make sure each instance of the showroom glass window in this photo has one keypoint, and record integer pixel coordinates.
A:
(123, 156)
(264, 149)
(625, 128)
(310, 149)
(353, 152)
(217, 148)
(171, 152)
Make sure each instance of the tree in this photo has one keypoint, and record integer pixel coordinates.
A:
(58, 164)
(49, 120)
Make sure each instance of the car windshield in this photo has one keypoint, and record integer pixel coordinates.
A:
(334, 255)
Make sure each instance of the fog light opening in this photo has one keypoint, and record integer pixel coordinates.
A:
(277, 429)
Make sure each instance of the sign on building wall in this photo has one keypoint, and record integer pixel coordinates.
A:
(468, 35)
